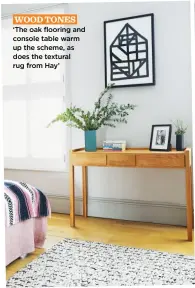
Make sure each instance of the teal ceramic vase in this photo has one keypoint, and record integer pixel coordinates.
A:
(90, 141)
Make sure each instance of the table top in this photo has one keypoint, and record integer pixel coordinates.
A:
(133, 150)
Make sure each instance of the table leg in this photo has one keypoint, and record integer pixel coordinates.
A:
(189, 204)
(85, 196)
(72, 197)
(192, 197)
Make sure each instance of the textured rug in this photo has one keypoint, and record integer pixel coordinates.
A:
(84, 263)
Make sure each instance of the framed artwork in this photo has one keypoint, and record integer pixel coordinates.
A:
(161, 137)
(129, 51)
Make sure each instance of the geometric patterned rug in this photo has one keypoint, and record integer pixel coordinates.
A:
(84, 263)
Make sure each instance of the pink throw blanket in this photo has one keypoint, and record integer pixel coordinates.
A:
(23, 201)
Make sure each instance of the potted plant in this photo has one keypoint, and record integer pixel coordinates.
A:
(105, 113)
(180, 131)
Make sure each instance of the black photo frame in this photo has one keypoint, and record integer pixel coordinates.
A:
(161, 137)
(129, 56)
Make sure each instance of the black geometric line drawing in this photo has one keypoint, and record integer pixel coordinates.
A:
(129, 51)
(129, 55)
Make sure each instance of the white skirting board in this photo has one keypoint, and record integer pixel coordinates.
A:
(125, 209)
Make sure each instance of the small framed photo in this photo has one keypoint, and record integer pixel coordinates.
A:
(161, 137)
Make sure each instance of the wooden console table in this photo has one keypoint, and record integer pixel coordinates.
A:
(132, 157)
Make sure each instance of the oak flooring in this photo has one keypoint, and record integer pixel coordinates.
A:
(133, 234)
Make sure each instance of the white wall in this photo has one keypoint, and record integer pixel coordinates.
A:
(170, 99)
(9, 9)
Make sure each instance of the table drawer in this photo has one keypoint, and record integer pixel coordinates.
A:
(123, 160)
(160, 160)
(89, 159)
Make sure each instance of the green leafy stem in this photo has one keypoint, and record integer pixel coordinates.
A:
(105, 113)
(180, 128)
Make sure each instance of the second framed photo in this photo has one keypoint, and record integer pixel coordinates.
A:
(160, 137)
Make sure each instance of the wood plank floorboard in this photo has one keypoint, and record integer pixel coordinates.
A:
(133, 234)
